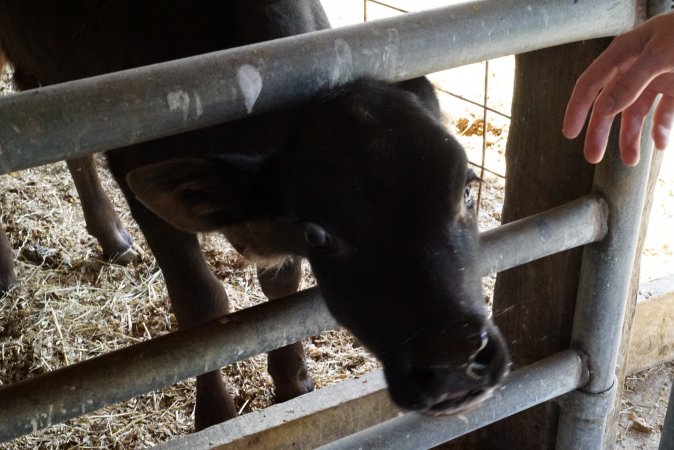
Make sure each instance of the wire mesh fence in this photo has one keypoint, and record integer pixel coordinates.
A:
(476, 103)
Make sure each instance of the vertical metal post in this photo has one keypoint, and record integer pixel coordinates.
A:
(667, 436)
(602, 297)
(656, 7)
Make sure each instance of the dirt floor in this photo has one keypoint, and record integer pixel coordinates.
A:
(643, 408)
(70, 305)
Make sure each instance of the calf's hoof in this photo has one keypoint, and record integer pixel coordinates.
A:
(289, 390)
(213, 404)
(124, 257)
(7, 281)
(118, 246)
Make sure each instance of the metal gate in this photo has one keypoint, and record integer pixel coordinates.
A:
(292, 69)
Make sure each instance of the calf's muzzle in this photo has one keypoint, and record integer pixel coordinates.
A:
(444, 370)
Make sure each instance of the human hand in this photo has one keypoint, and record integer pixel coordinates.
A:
(626, 78)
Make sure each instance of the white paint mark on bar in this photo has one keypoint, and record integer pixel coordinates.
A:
(179, 101)
(250, 83)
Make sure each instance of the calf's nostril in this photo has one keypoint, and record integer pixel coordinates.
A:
(481, 361)
(477, 370)
(484, 341)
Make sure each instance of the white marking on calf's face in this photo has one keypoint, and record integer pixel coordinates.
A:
(250, 83)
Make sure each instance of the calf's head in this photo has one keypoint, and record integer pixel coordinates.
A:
(375, 193)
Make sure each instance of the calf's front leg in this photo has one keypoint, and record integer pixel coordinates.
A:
(7, 274)
(99, 214)
(286, 365)
(197, 296)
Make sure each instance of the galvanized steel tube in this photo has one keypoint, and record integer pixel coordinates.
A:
(543, 234)
(667, 435)
(81, 388)
(84, 387)
(604, 284)
(72, 119)
(603, 290)
(524, 388)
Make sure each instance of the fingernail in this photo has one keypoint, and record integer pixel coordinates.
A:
(569, 135)
(661, 136)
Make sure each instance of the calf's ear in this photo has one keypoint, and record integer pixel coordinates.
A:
(202, 194)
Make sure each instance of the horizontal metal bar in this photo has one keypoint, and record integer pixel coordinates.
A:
(305, 422)
(97, 114)
(81, 388)
(568, 226)
(354, 405)
(84, 387)
(530, 386)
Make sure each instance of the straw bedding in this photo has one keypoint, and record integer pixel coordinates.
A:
(70, 305)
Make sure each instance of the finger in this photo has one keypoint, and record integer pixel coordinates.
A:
(626, 87)
(596, 137)
(618, 56)
(631, 124)
(663, 118)
(584, 93)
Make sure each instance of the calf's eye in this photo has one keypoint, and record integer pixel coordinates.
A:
(468, 197)
(316, 236)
